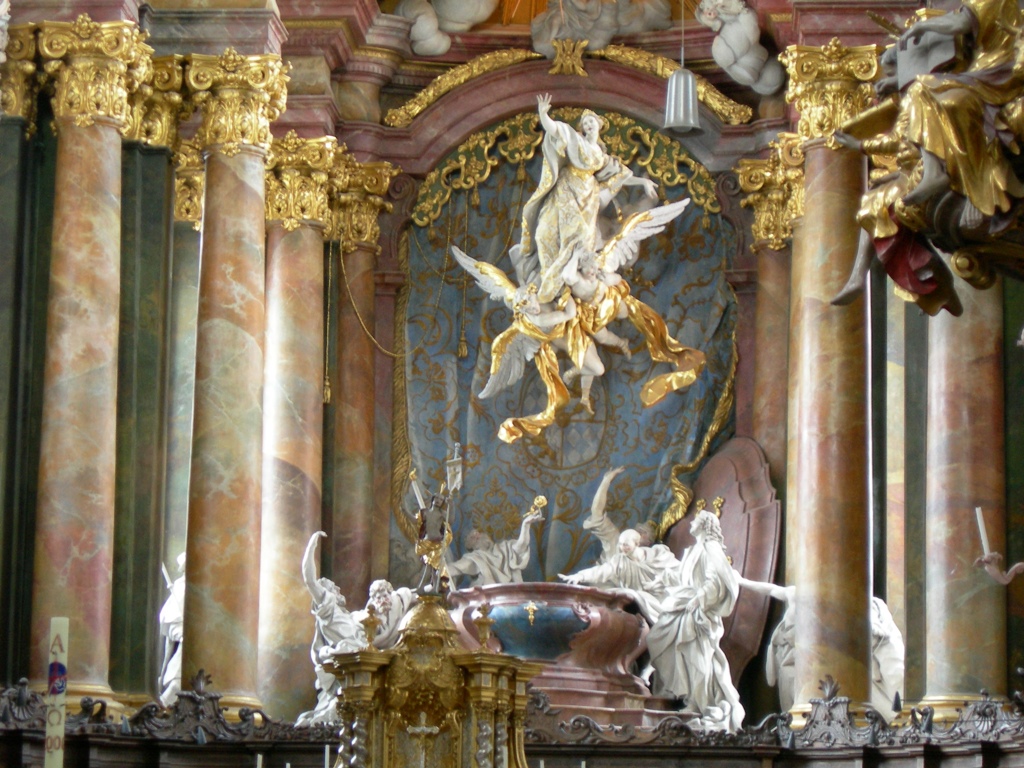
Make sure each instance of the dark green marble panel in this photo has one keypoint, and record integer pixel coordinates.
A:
(138, 591)
(916, 426)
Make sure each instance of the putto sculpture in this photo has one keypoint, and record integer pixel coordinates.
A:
(737, 46)
(569, 289)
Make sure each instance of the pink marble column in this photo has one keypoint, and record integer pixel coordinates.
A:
(966, 610)
(292, 429)
(75, 513)
(827, 508)
(771, 350)
(223, 551)
(75, 508)
(353, 514)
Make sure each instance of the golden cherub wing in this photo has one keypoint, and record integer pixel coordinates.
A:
(621, 250)
(493, 281)
(511, 350)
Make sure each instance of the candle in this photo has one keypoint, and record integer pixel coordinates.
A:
(327, 756)
(56, 690)
(259, 761)
(982, 531)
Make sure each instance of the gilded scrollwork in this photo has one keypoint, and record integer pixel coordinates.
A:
(829, 84)
(775, 191)
(298, 171)
(159, 106)
(357, 199)
(453, 78)
(239, 96)
(727, 110)
(189, 182)
(18, 74)
(516, 141)
(94, 68)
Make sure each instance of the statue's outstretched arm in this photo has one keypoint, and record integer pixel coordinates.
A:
(309, 567)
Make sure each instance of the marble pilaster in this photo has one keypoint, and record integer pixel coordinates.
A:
(239, 96)
(75, 511)
(142, 388)
(966, 611)
(357, 200)
(23, 272)
(775, 189)
(297, 215)
(827, 513)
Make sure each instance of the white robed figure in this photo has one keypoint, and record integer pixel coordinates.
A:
(624, 563)
(579, 178)
(684, 642)
(502, 562)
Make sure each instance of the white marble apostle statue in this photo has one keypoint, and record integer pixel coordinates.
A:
(624, 563)
(685, 641)
(390, 606)
(172, 623)
(887, 650)
(337, 631)
(502, 562)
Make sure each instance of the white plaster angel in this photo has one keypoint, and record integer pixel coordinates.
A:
(624, 564)
(337, 631)
(596, 21)
(737, 46)
(491, 562)
(172, 626)
(685, 641)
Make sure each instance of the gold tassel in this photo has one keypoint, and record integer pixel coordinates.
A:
(463, 350)
(475, 196)
(521, 172)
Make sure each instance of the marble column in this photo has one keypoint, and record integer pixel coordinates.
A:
(239, 96)
(23, 273)
(358, 199)
(965, 609)
(827, 507)
(75, 511)
(775, 192)
(297, 215)
(142, 386)
(184, 308)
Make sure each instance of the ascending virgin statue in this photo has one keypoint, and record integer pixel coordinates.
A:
(569, 288)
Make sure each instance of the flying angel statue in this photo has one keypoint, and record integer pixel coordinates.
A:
(570, 288)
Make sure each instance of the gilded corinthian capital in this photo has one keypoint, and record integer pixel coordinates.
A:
(18, 74)
(775, 188)
(357, 198)
(829, 85)
(297, 181)
(94, 68)
(240, 96)
(189, 184)
(159, 105)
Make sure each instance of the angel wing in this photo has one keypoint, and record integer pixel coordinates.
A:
(493, 281)
(621, 250)
(510, 352)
